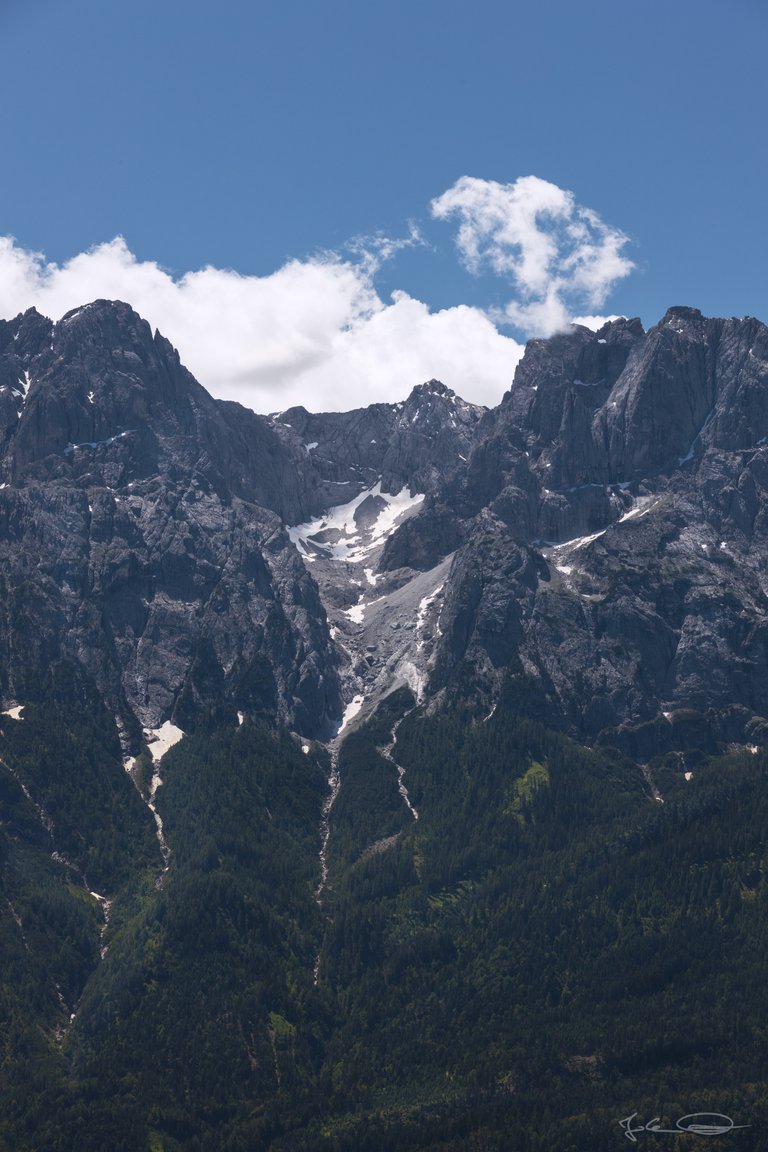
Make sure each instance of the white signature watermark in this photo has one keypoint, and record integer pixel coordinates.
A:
(699, 1123)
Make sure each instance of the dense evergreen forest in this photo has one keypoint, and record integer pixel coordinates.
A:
(547, 950)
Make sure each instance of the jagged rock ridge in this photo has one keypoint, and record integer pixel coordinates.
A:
(600, 535)
(141, 531)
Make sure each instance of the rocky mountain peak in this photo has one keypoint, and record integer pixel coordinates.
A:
(431, 388)
(619, 487)
(435, 397)
(150, 514)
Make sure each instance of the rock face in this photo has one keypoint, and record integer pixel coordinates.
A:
(141, 532)
(630, 471)
(600, 536)
(421, 441)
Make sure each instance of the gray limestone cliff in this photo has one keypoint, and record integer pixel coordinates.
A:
(600, 538)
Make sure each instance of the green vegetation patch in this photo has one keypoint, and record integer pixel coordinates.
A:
(526, 788)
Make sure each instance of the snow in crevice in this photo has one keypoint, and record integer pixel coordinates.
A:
(164, 739)
(339, 536)
(356, 613)
(70, 448)
(75, 313)
(25, 386)
(641, 507)
(424, 610)
(159, 741)
(409, 674)
(350, 712)
(577, 542)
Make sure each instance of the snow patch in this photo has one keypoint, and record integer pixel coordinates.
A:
(75, 313)
(162, 739)
(356, 613)
(579, 541)
(415, 679)
(350, 712)
(421, 616)
(641, 507)
(240, 719)
(338, 536)
(70, 448)
(15, 712)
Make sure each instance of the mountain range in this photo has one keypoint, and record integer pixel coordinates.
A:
(298, 709)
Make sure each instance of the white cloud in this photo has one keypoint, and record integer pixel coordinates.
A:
(557, 254)
(315, 332)
(594, 323)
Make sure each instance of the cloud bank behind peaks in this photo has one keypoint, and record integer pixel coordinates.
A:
(558, 255)
(315, 332)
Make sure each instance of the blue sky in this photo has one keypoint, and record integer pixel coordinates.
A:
(265, 138)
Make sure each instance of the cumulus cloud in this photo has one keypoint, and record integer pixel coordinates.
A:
(315, 332)
(558, 255)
